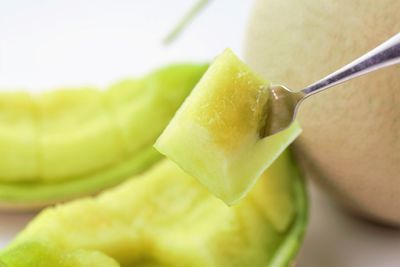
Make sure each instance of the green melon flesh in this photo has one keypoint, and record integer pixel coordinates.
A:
(18, 137)
(74, 142)
(142, 108)
(42, 255)
(77, 134)
(216, 135)
(163, 218)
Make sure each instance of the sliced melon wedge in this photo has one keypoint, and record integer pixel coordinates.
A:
(75, 142)
(164, 217)
(216, 135)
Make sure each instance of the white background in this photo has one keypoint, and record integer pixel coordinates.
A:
(48, 44)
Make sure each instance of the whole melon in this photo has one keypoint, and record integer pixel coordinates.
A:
(351, 137)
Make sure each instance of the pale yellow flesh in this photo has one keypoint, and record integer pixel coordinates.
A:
(164, 218)
(77, 141)
(215, 135)
(77, 134)
(18, 137)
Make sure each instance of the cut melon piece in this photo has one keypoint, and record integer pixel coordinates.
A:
(164, 217)
(18, 137)
(216, 135)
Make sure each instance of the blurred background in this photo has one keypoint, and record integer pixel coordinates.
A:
(48, 44)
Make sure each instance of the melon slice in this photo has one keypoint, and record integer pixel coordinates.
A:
(216, 135)
(164, 217)
(74, 142)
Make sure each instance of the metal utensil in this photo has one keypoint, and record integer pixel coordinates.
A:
(284, 103)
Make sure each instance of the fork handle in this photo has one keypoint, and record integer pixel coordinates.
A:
(386, 54)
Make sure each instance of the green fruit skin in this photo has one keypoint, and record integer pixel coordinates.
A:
(86, 140)
(164, 217)
(351, 133)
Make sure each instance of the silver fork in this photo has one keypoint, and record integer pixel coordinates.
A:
(284, 103)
